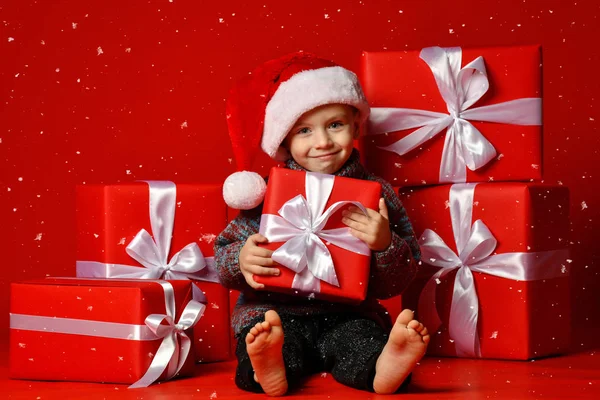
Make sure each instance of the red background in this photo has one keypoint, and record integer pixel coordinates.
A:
(118, 91)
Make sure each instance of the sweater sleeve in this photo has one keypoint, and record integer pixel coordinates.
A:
(393, 269)
(229, 244)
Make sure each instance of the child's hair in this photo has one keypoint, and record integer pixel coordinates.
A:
(263, 107)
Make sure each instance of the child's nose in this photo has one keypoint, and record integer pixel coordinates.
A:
(322, 138)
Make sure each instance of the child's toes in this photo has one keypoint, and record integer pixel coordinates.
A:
(414, 324)
(419, 328)
(265, 325)
(424, 332)
(250, 338)
(259, 327)
(254, 331)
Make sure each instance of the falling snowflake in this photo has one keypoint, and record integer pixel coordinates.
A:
(99, 50)
(11, 39)
(128, 50)
(184, 124)
(326, 16)
(324, 375)
(535, 166)
(207, 237)
(22, 345)
(122, 241)
(213, 395)
(90, 308)
(214, 305)
(38, 237)
(447, 204)
(583, 205)
(450, 31)
(128, 171)
(74, 25)
(93, 349)
(563, 268)
(397, 165)
(437, 281)
(432, 260)
(494, 335)
(96, 235)
(221, 20)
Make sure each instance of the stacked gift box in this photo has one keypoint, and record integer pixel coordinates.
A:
(146, 302)
(459, 132)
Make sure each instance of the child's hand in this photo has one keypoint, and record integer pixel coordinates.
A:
(256, 260)
(373, 229)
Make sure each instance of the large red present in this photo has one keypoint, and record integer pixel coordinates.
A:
(158, 230)
(495, 276)
(302, 218)
(101, 330)
(468, 115)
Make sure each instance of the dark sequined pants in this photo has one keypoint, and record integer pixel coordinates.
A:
(344, 344)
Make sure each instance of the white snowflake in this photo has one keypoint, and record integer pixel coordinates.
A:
(494, 335)
(326, 16)
(128, 50)
(583, 205)
(450, 31)
(99, 50)
(11, 39)
(214, 305)
(207, 237)
(184, 124)
(213, 395)
(74, 25)
(38, 237)
(22, 345)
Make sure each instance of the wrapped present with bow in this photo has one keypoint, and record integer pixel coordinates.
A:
(102, 330)
(451, 115)
(158, 230)
(495, 276)
(317, 255)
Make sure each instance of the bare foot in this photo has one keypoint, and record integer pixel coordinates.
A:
(405, 347)
(264, 343)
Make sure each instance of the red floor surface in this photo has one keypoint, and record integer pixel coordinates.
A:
(567, 377)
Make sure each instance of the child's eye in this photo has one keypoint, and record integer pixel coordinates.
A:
(336, 125)
(303, 131)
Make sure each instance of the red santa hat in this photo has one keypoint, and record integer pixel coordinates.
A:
(263, 107)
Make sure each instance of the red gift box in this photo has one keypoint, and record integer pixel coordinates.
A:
(351, 268)
(523, 311)
(111, 217)
(403, 79)
(92, 330)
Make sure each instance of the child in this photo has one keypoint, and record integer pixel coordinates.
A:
(307, 111)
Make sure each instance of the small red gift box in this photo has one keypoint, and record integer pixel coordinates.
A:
(507, 285)
(294, 219)
(96, 330)
(179, 223)
(470, 133)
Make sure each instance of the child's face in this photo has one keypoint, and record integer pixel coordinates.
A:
(322, 138)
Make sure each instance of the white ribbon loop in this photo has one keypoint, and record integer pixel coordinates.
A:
(176, 345)
(300, 225)
(464, 146)
(475, 244)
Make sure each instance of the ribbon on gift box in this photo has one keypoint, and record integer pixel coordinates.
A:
(189, 263)
(464, 146)
(174, 348)
(300, 225)
(475, 244)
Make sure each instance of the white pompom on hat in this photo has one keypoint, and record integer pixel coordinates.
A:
(262, 108)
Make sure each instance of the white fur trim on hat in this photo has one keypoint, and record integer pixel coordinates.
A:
(244, 190)
(305, 91)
